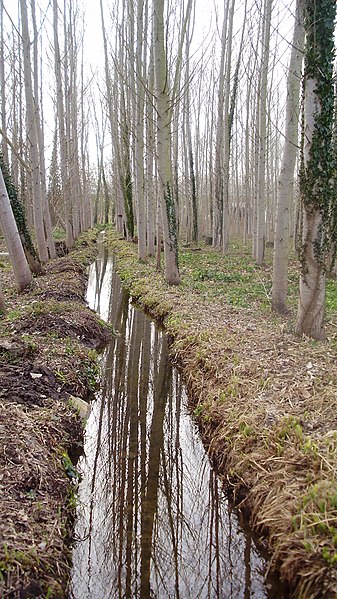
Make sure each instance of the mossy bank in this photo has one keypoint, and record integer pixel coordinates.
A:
(48, 360)
(265, 400)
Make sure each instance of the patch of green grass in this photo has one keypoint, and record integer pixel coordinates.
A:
(61, 376)
(70, 470)
(234, 277)
(13, 315)
(71, 346)
(199, 410)
(59, 234)
(331, 297)
(92, 369)
(14, 557)
(246, 429)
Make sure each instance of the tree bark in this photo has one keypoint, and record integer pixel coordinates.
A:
(2, 86)
(318, 174)
(150, 152)
(311, 305)
(40, 140)
(2, 301)
(168, 214)
(286, 180)
(19, 263)
(261, 198)
(33, 138)
(139, 151)
(219, 142)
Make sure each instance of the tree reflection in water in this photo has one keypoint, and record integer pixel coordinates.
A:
(152, 520)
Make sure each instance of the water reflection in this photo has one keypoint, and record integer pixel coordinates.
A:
(152, 520)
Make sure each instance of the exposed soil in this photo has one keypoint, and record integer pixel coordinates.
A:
(47, 338)
(266, 404)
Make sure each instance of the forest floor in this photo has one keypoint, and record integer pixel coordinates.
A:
(48, 360)
(265, 400)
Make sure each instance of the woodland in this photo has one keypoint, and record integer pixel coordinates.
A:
(203, 138)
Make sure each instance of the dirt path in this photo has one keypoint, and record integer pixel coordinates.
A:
(47, 360)
(266, 404)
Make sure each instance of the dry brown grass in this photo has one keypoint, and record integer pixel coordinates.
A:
(34, 511)
(266, 404)
(45, 353)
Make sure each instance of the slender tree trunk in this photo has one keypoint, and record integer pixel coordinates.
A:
(39, 132)
(261, 198)
(227, 133)
(168, 214)
(22, 273)
(286, 180)
(219, 143)
(2, 301)
(150, 151)
(139, 152)
(229, 108)
(192, 191)
(33, 138)
(2, 87)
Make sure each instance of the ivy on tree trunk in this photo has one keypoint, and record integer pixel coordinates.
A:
(19, 215)
(318, 165)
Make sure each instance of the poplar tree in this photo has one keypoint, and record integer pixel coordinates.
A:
(262, 121)
(318, 182)
(286, 179)
(19, 263)
(165, 98)
(32, 135)
(20, 219)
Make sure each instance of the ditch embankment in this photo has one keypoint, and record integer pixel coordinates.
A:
(265, 401)
(48, 365)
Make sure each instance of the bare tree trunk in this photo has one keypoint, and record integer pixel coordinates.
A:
(2, 301)
(219, 144)
(261, 199)
(2, 87)
(61, 129)
(286, 180)
(226, 133)
(192, 191)
(33, 138)
(150, 151)
(139, 152)
(168, 214)
(22, 273)
(229, 108)
(311, 306)
(39, 132)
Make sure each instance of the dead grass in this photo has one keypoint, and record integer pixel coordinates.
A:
(34, 511)
(266, 404)
(47, 352)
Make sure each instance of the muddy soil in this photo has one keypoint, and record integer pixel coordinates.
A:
(48, 339)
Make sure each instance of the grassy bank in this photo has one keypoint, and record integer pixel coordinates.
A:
(48, 343)
(265, 400)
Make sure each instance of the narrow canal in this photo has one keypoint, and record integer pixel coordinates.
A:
(152, 520)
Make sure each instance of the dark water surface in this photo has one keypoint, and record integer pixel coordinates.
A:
(152, 518)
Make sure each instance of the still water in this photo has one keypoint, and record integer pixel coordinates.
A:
(152, 518)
